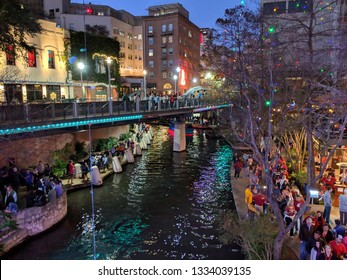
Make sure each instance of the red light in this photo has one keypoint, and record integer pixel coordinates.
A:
(89, 10)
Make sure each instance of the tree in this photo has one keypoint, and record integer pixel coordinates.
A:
(16, 24)
(99, 47)
(277, 63)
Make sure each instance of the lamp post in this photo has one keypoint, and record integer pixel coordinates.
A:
(178, 69)
(109, 93)
(175, 78)
(109, 61)
(144, 84)
(81, 66)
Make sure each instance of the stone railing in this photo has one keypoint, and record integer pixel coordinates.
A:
(34, 220)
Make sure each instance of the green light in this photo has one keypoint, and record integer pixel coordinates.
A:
(271, 29)
(322, 70)
(267, 103)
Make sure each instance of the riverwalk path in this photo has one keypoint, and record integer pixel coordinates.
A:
(238, 188)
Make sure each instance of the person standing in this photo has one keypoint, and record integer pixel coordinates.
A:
(305, 235)
(249, 200)
(70, 170)
(343, 207)
(238, 167)
(327, 204)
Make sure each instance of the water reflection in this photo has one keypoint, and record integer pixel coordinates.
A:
(164, 206)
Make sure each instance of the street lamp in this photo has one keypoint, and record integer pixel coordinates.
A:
(109, 61)
(175, 78)
(178, 69)
(144, 84)
(109, 93)
(81, 66)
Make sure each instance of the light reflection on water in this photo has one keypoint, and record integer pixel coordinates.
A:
(164, 206)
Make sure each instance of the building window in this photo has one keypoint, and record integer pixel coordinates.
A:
(139, 37)
(71, 26)
(130, 36)
(53, 92)
(163, 28)
(170, 39)
(32, 58)
(163, 51)
(10, 56)
(150, 64)
(170, 75)
(150, 29)
(150, 41)
(130, 46)
(170, 62)
(51, 60)
(140, 57)
(163, 40)
(163, 63)
(150, 52)
(164, 75)
(299, 6)
(151, 75)
(34, 92)
(170, 28)
(170, 51)
(189, 34)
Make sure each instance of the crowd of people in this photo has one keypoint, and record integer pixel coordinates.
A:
(41, 184)
(318, 239)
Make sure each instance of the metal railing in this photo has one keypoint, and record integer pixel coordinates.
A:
(48, 112)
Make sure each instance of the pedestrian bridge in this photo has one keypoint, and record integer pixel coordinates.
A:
(28, 118)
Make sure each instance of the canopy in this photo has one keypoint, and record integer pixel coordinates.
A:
(194, 91)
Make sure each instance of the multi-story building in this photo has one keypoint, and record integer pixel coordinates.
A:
(41, 74)
(171, 49)
(158, 43)
(119, 24)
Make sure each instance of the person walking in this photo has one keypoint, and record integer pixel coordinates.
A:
(343, 207)
(327, 204)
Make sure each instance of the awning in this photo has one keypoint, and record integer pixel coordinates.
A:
(100, 92)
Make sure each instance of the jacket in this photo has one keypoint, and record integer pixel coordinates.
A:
(343, 203)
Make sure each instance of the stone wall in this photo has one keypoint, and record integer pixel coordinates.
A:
(29, 151)
(34, 220)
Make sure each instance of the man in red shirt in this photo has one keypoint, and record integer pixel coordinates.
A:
(260, 201)
(339, 248)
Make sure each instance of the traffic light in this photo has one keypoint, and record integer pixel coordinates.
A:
(89, 10)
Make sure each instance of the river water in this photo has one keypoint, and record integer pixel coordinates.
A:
(164, 206)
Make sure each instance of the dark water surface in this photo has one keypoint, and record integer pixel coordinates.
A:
(164, 206)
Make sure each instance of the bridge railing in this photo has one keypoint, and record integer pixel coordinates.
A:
(46, 112)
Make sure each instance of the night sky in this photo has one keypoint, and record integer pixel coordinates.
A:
(203, 13)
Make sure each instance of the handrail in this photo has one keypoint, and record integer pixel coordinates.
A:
(21, 114)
